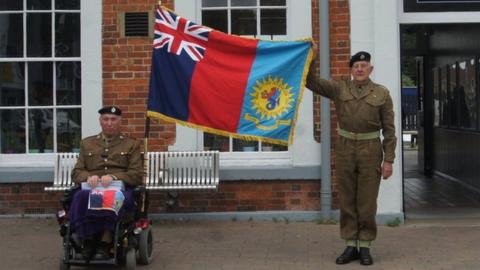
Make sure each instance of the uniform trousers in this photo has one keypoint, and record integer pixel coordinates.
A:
(358, 170)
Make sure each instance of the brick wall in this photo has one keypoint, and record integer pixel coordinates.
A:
(126, 68)
(246, 196)
(30, 198)
(126, 73)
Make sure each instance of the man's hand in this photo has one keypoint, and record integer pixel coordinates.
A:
(93, 180)
(106, 180)
(387, 170)
(314, 48)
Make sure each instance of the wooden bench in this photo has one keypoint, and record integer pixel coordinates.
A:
(188, 170)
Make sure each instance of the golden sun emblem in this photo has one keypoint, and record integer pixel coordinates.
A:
(271, 97)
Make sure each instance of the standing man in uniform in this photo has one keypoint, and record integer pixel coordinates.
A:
(364, 109)
(103, 158)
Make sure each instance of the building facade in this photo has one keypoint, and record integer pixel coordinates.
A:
(95, 56)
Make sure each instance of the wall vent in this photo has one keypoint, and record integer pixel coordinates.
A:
(136, 24)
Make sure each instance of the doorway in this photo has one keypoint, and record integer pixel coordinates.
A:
(439, 179)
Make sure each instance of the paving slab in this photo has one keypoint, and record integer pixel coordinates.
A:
(231, 245)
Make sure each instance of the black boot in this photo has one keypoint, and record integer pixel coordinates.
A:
(88, 249)
(365, 258)
(349, 254)
(103, 251)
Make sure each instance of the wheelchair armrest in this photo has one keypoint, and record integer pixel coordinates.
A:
(138, 190)
(140, 193)
(67, 197)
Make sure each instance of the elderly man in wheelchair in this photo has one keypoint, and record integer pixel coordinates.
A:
(106, 212)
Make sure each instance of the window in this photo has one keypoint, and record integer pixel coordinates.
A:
(467, 97)
(246, 17)
(259, 18)
(444, 109)
(436, 97)
(40, 76)
(452, 96)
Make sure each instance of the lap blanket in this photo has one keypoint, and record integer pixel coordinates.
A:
(89, 222)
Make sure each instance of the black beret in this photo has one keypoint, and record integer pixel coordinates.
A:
(111, 110)
(360, 56)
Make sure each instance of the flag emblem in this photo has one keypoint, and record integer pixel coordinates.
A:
(178, 35)
(271, 98)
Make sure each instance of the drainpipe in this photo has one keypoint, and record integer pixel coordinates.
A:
(326, 190)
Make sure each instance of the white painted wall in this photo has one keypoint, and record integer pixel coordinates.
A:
(92, 69)
(436, 17)
(375, 28)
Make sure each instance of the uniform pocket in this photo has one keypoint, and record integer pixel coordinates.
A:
(344, 98)
(91, 160)
(375, 100)
(372, 109)
(121, 158)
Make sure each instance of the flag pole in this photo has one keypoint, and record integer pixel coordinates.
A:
(145, 158)
(145, 150)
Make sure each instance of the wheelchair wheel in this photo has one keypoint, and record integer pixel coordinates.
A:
(131, 259)
(63, 265)
(145, 247)
(67, 251)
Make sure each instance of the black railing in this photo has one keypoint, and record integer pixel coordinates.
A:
(409, 108)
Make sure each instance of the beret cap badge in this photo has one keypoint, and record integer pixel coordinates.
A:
(111, 110)
(360, 56)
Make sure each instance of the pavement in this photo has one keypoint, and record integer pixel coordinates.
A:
(233, 245)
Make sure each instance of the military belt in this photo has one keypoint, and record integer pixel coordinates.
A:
(359, 136)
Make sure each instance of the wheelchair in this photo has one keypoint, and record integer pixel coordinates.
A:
(132, 238)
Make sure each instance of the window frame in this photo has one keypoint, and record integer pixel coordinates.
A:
(91, 77)
(303, 153)
(258, 8)
(281, 157)
(464, 74)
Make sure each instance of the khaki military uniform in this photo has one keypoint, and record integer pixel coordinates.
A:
(360, 110)
(119, 157)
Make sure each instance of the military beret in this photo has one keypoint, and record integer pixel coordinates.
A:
(360, 56)
(111, 110)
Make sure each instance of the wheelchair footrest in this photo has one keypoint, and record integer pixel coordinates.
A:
(110, 261)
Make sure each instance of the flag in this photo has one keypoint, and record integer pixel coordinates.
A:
(105, 199)
(226, 84)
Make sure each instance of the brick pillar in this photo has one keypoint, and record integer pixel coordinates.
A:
(126, 73)
(339, 58)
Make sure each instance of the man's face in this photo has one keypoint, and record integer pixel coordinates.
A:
(110, 124)
(361, 71)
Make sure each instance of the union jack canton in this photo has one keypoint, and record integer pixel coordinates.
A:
(180, 35)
